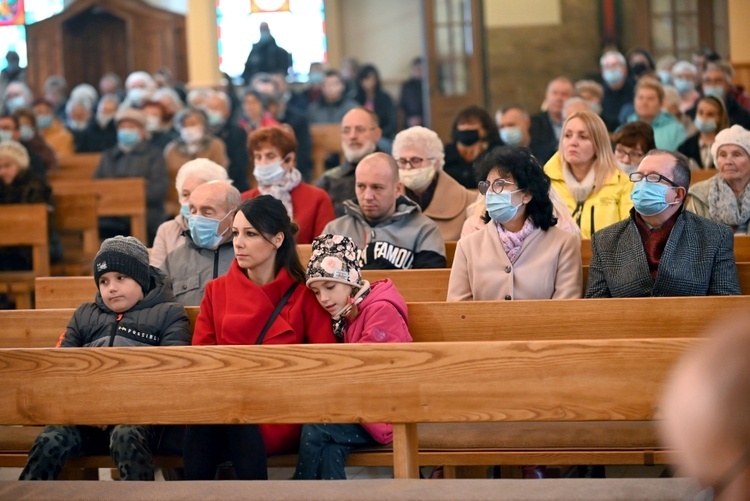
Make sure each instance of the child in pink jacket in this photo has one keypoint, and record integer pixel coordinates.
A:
(362, 313)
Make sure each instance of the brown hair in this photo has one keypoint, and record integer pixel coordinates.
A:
(275, 137)
(653, 84)
(635, 134)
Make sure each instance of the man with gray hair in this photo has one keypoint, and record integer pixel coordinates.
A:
(661, 249)
(208, 251)
(389, 229)
(360, 134)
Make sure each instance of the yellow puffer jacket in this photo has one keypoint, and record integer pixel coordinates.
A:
(606, 206)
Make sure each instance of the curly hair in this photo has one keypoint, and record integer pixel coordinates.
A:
(529, 175)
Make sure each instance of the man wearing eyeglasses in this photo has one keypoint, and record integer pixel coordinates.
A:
(360, 134)
(389, 229)
(661, 249)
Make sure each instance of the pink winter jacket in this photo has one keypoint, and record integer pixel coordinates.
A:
(382, 318)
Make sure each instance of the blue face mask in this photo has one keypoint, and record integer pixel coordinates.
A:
(705, 126)
(650, 199)
(683, 85)
(716, 91)
(185, 211)
(512, 136)
(665, 77)
(6, 135)
(215, 118)
(203, 231)
(268, 174)
(43, 121)
(127, 138)
(613, 76)
(14, 103)
(26, 132)
(500, 207)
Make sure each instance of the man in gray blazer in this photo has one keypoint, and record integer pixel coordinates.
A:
(661, 249)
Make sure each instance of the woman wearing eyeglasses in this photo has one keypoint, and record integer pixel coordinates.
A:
(520, 253)
(419, 154)
(585, 174)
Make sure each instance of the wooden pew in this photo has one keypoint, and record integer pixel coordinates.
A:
(120, 197)
(326, 139)
(24, 225)
(616, 380)
(696, 176)
(414, 285)
(76, 166)
(75, 219)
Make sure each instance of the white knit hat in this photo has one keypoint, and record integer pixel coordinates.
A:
(736, 135)
(15, 152)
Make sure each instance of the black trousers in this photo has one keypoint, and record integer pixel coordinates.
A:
(207, 446)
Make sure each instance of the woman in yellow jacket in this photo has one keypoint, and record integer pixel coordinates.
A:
(584, 173)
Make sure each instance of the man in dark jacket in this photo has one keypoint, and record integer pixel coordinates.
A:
(619, 87)
(219, 111)
(546, 126)
(266, 56)
(134, 156)
(662, 249)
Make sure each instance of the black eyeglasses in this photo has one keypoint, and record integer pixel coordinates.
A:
(498, 185)
(651, 177)
(415, 162)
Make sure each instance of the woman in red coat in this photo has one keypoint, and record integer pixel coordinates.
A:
(274, 153)
(237, 309)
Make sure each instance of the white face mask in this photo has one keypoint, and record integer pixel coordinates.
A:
(153, 123)
(191, 135)
(269, 174)
(416, 179)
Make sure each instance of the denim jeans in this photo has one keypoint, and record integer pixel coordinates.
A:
(324, 448)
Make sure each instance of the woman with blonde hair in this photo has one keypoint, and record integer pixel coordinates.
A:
(585, 174)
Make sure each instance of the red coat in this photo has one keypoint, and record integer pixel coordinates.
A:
(234, 310)
(312, 207)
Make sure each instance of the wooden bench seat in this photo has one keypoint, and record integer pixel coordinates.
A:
(615, 489)
(414, 285)
(610, 380)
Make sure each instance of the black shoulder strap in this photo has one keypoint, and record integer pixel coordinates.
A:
(275, 313)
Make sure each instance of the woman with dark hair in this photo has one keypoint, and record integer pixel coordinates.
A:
(370, 95)
(711, 117)
(632, 141)
(239, 309)
(473, 132)
(520, 253)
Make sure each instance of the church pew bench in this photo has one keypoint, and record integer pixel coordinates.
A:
(506, 443)
(120, 197)
(414, 285)
(501, 382)
(613, 489)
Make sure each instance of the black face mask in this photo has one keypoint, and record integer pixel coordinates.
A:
(639, 68)
(467, 137)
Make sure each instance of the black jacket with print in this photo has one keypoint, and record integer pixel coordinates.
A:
(155, 320)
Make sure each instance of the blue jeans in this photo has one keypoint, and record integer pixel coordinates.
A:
(323, 450)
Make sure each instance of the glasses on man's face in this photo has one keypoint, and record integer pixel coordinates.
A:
(633, 156)
(359, 129)
(651, 177)
(415, 162)
(497, 186)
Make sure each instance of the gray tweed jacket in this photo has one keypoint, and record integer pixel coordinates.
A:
(698, 260)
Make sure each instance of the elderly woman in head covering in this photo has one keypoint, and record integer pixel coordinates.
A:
(19, 185)
(725, 198)
(170, 234)
(419, 154)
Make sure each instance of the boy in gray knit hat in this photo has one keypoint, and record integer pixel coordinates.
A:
(134, 307)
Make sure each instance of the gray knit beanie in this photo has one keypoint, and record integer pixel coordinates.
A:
(126, 255)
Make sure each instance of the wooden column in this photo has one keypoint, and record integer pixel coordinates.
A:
(202, 44)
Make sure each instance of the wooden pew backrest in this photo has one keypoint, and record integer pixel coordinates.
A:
(120, 197)
(24, 225)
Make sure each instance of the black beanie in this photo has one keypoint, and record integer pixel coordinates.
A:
(126, 255)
